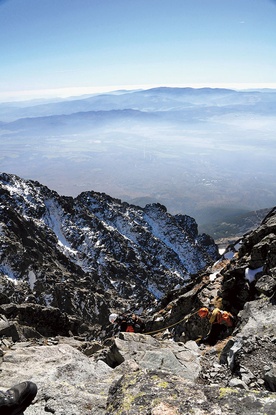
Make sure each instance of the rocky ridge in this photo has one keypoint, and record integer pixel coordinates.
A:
(165, 370)
(87, 255)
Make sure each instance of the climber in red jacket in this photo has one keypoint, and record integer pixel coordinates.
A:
(128, 323)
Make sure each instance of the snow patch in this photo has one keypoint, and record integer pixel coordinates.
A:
(159, 319)
(229, 255)
(213, 276)
(250, 274)
(53, 220)
(177, 287)
(67, 249)
(32, 279)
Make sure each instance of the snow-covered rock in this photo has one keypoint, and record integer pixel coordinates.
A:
(89, 255)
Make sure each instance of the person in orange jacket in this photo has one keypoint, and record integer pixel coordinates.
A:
(217, 318)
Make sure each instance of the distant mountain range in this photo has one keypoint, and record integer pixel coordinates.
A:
(155, 99)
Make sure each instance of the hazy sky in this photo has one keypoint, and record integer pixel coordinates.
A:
(79, 46)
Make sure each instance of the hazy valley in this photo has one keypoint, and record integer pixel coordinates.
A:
(208, 153)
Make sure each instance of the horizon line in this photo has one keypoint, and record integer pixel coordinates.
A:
(67, 92)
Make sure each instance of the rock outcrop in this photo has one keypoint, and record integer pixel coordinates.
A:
(68, 381)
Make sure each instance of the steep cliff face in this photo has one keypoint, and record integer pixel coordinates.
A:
(88, 255)
(243, 282)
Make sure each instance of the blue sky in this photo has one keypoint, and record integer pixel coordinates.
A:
(64, 47)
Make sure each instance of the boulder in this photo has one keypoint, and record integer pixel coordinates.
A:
(8, 329)
(69, 383)
(149, 353)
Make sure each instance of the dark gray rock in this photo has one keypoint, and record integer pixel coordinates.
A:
(266, 284)
(254, 347)
(269, 376)
(38, 320)
(8, 329)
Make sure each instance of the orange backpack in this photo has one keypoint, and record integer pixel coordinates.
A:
(226, 318)
(221, 317)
